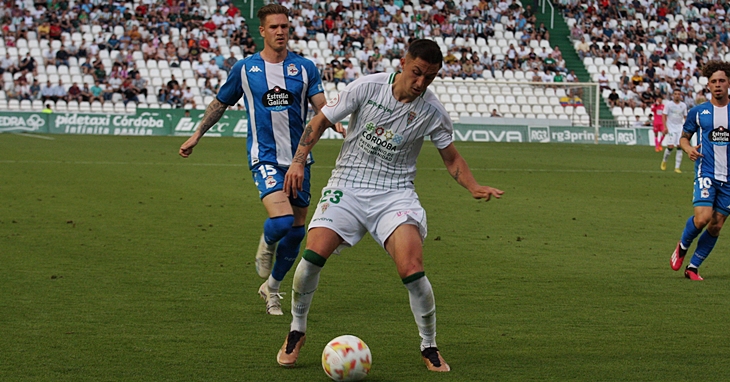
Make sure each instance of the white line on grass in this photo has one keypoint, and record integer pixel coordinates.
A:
(36, 136)
(319, 167)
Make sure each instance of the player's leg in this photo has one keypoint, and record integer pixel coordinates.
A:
(657, 139)
(694, 226)
(678, 161)
(336, 222)
(667, 152)
(277, 227)
(707, 240)
(405, 246)
(321, 242)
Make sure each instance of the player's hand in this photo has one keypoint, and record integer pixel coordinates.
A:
(694, 153)
(486, 193)
(187, 148)
(294, 179)
(665, 131)
(340, 129)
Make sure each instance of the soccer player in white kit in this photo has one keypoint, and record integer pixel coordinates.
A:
(371, 188)
(674, 115)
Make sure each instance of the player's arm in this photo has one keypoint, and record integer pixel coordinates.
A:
(686, 145)
(295, 174)
(318, 101)
(459, 170)
(213, 114)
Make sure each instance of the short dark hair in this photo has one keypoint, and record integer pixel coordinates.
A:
(271, 9)
(713, 66)
(427, 50)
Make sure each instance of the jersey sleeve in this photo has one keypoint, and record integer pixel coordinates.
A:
(345, 102)
(232, 90)
(690, 124)
(443, 135)
(315, 80)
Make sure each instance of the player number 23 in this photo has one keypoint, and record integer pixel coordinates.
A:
(334, 196)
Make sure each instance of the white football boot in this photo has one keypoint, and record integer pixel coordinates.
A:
(264, 258)
(273, 300)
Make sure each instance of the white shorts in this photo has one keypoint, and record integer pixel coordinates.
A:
(675, 132)
(352, 212)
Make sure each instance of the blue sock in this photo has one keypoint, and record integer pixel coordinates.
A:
(704, 247)
(690, 232)
(276, 228)
(286, 253)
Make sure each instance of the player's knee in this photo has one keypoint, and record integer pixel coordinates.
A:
(277, 227)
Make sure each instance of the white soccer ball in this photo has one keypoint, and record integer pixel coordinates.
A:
(346, 358)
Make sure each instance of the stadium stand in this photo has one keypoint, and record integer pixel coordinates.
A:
(158, 55)
(638, 51)
(114, 57)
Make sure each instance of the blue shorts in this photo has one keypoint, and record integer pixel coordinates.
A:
(270, 178)
(711, 193)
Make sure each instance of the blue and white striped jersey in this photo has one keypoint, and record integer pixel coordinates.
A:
(711, 124)
(276, 100)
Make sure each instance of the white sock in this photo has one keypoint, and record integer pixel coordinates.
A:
(667, 151)
(274, 284)
(306, 279)
(678, 159)
(423, 307)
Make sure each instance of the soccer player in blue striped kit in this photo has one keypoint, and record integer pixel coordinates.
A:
(711, 189)
(276, 86)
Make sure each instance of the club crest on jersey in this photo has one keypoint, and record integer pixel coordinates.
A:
(270, 182)
(411, 116)
(720, 136)
(292, 70)
(334, 101)
(325, 206)
(705, 193)
(277, 99)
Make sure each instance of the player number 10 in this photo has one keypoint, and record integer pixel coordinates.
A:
(705, 182)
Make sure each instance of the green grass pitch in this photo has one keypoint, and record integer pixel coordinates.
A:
(121, 261)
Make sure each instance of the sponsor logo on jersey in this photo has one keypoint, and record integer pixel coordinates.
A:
(292, 70)
(379, 106)
(720, 136)
(255, 69)
(375, 140)
(277, 99)
(705, 112)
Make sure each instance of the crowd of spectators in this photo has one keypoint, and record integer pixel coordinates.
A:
(656, 46)
(370, 36)
(173, 31)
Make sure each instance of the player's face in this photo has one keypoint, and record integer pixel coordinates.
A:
(275, 32)
(417, 75)
(677, 96)
(718, 84)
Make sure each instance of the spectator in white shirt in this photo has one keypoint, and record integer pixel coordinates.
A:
(188, 97)
(59, 91)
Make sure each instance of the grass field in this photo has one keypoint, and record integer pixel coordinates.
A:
(120, 261)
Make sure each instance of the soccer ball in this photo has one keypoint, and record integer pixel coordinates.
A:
(346, 358)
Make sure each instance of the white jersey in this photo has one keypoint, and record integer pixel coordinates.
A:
(675, 114)
(384, 136)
